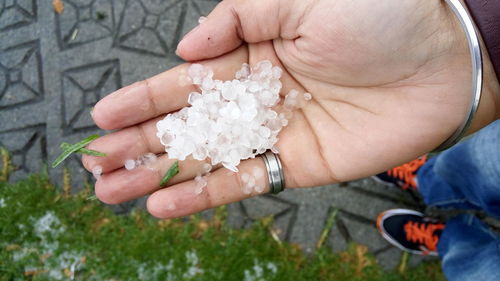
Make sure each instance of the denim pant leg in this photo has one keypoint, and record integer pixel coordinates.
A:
(466, 176)
(469, 250)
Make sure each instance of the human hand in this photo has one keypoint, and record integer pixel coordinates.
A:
(390, 81)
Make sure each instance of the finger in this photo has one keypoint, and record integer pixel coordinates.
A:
(132, 142)
(232, 22)
(295, 140)
(159, 94)
(223, 187)
(123, 185)
(119, 146)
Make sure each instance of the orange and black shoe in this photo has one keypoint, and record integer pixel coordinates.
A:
(410, 231)
(403, 176)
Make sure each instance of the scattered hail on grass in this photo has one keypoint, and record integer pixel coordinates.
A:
(194, 268)
(259, 270)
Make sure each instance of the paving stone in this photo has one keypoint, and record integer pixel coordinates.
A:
(55, 67)
(337, 239)
(389, 257)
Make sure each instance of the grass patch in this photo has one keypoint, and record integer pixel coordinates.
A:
(46, 234)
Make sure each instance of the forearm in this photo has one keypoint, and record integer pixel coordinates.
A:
(491, 85)
(489, 107)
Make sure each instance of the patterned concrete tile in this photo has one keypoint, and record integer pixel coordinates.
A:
(55, 67)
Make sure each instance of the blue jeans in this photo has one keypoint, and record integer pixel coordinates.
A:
(467, 176)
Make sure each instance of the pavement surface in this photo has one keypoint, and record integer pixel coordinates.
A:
(55, 67)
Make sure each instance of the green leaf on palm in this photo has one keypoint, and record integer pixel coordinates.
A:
(172, 171)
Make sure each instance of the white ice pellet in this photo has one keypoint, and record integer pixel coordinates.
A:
(251, 181)
(171, 206)
(254, 87)
(193, 97)
(293, 94)
(183, 80)
(277, 72)
(286, 114)
(257, 172)
(206, 168)
(198, 178)
(166, 139)
(264, 132)
(244, 72)
(291, 101)
(198, 190)
(201, 182)
(201, 19)
(148, 159)
(274, 124)
(247, 189)
(129, 164)
(230, 167)
(227, 121)
(248, 183)
(207, 83)
(307, 96)
(228, 92)
(97, 172)
(259, 188)
(245, 177)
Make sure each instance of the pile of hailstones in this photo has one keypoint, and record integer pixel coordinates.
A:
(229, 121)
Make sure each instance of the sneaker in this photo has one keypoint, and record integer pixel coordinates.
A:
(404, 176)
(410, 231)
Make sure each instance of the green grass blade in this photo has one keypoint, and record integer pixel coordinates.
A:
(73, 148)
(172, 171)
(66, 145)
(91, 152)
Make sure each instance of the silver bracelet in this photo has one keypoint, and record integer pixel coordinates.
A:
(477, 71)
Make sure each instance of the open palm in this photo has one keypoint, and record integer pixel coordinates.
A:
(390, 82)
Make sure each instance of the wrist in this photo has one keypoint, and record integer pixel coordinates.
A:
(489, 108)
(480, 103)
(491, 87)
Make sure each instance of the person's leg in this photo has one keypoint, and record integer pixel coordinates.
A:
(469, 250)
(467, 175)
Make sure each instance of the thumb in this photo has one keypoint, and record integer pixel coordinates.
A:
(234, 21)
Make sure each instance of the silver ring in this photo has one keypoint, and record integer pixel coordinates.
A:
(274, 172)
